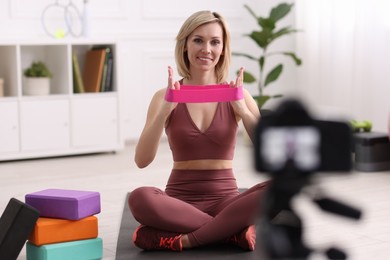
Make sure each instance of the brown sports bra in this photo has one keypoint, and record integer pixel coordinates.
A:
(187, 142)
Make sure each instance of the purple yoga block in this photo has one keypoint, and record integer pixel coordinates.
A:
(65, 204)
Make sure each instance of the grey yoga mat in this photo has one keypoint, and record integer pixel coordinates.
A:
(126, 250)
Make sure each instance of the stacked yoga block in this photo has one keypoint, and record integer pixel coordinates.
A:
(67, 227)
(16, 224)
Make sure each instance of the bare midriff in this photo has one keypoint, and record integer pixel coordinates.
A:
(203, 165)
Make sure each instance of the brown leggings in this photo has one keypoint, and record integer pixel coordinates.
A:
(205, 205)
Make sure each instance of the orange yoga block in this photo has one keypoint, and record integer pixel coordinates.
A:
(54, 230)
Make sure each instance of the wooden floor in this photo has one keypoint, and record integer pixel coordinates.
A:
(114, 174)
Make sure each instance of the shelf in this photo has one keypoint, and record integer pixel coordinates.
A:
(56, 58)
(8, 70)
(63, 122)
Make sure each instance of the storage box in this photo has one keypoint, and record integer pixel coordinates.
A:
(372, 151)
(16, 224)
(88, 249)
(54, 230)
(65, 204)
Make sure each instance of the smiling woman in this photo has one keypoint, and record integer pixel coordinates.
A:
(201, 203)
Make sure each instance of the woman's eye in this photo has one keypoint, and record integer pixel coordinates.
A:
(216, 42)
(197, 40)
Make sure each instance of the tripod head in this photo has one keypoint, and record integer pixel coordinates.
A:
(291, 146)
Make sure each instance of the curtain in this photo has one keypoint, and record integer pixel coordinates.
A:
(345, 48)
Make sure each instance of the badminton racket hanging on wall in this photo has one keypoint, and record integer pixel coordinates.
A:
(63, 18)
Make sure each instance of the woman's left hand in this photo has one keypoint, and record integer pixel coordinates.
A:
(239, 106)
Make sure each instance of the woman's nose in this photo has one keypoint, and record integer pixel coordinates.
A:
(206, 50)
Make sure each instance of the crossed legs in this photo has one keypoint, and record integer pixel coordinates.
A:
(152, 207)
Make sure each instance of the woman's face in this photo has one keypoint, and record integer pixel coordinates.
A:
(204, 46)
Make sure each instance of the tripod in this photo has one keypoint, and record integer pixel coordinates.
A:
(290, 146)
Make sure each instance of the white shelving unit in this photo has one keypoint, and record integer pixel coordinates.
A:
(63, 122)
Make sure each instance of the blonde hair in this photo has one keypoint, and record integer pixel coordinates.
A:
(194, 21)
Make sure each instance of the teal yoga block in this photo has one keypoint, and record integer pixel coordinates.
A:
(88, 249)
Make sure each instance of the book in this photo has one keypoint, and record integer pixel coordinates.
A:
(93, 69)
(109, 77)
(104, 76)
(78, 85)
(103, 79)
(106, 83)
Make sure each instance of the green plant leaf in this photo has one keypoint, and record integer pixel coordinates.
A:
(262, 38)
(261, 62)
(273, 74)
(260, 100)
(282, 32)
(251, 12)
(266, 23)
(244, 55)
(297, 60)
(37, 69)
(248, 77)
(280, 11)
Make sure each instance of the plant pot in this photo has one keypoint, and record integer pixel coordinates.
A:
(36, 86)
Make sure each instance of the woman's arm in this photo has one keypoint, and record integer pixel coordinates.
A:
(251, 116)
(149, 140)
(246, 108)
(158, 113)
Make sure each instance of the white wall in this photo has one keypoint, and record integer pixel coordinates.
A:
(146, 30)
(346, 50)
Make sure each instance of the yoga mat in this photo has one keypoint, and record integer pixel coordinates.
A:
(126, 250)
(201, 94)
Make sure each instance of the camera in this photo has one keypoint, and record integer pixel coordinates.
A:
(290, 137)
(291, 146)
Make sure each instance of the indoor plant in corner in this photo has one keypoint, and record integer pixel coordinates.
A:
(264, 37)
(37, 79)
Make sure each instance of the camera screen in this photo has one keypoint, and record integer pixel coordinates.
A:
(299, 145)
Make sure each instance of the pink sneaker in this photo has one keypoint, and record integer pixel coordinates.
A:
(149, 238)
(246, 239)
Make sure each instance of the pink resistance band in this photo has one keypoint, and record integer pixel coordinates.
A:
(202, 94)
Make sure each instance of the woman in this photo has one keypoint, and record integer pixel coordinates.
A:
(201, 203)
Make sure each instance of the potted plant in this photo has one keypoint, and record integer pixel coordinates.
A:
(37, 79)
(264, 37)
